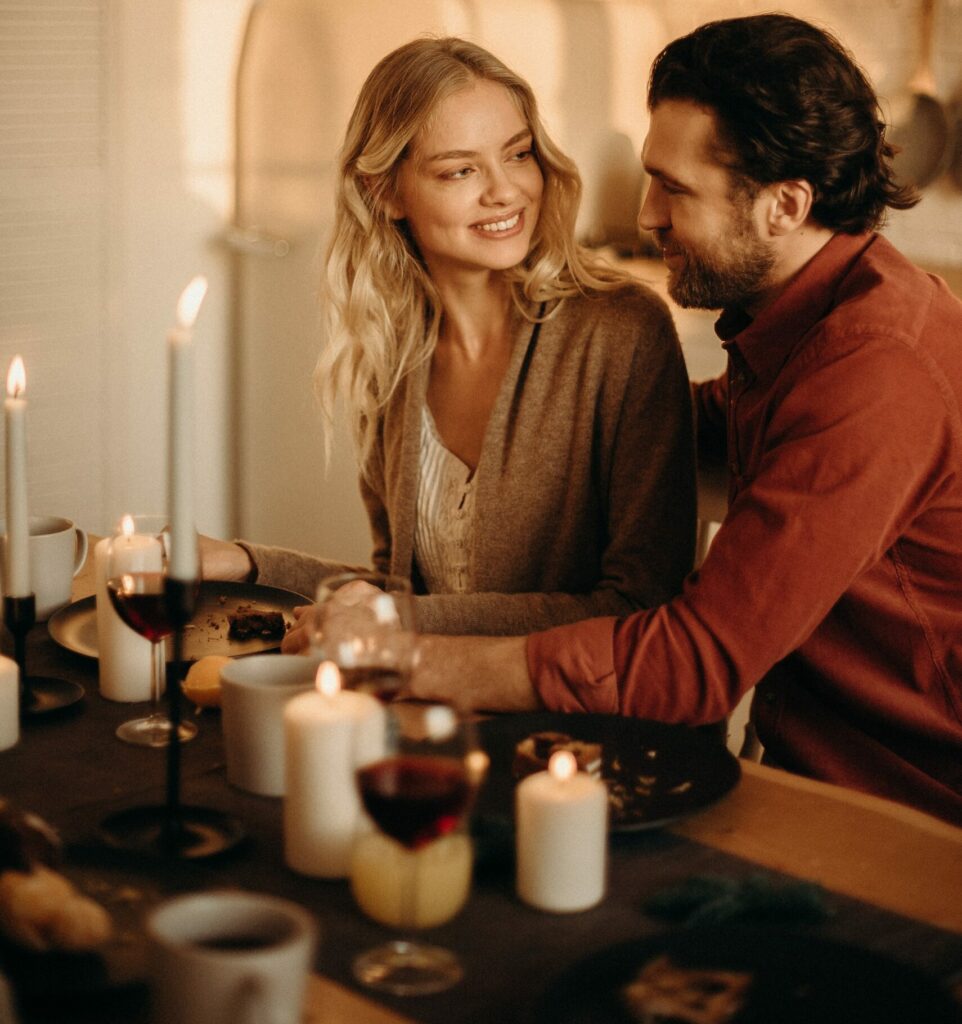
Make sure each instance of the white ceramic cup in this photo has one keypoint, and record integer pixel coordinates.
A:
(58, 549)
(229, 957)
(254, 691)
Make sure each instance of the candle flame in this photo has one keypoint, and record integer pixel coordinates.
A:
(562, 765)
(16, 378)
(328, 679)
(127, 527)
(476, 764)
(188, 305)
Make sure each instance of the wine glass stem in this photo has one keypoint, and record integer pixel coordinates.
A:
(157, 665)
(409, 896)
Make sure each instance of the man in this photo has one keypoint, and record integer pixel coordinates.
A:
(835, 583)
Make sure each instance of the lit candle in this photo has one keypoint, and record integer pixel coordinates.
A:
(17, 582)
(183, 538)
(9, 703)
(562, 837)
(123, 654)
(328, 733)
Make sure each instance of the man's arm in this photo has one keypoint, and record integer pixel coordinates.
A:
(476, 673)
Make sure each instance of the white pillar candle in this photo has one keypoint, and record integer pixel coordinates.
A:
(17, 568)
(328, 733)
(9, 703)
(183, 537)
(562, 837)
(124, 655)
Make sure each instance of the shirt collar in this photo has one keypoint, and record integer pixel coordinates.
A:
(766, 341)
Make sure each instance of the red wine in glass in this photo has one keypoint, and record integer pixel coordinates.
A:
(415, 799)
(381, 683)
(140, 600)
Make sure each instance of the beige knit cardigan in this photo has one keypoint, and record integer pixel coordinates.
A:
(585, 499)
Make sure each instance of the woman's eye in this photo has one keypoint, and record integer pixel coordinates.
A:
(522, 155)
(457, 175)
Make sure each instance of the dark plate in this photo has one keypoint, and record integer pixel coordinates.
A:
(795, 979)
(128, 887)
(75, 627)
(662, 772)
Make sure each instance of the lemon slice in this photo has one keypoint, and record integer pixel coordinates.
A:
(202, 683)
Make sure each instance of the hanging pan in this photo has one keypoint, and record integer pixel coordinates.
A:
(923, 129)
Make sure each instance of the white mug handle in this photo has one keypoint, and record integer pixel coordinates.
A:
(81, 555)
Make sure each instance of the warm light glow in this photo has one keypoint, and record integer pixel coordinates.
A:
(127, 527)
(476, 763)
(328, 679)
(188, 305)
(562, 765)
(16, 378)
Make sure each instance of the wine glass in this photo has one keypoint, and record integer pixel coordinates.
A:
(364, 623)
(415, 871)
(136, 578)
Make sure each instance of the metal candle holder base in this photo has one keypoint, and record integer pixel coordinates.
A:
(172, 829)
(39, 695)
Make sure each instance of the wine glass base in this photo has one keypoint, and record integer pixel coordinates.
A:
(45, 695)
(405, 968)
(153, 731)
(194, 833)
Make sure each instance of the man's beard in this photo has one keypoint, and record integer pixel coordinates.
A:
(729, 276)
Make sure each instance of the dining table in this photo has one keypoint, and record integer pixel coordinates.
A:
(888, 878)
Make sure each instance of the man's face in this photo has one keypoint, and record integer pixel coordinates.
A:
(707, 229)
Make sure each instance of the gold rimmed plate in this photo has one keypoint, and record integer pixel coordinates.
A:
(75, 626)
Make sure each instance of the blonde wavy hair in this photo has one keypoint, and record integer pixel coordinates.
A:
(382, 309)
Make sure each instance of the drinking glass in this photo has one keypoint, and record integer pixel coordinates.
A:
(136, 584)
(364, 623)
(418, 794)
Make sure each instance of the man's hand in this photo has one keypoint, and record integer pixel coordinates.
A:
(476, 673)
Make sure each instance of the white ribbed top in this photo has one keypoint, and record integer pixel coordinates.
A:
(445, 514)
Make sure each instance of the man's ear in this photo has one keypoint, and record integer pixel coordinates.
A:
(789, 206)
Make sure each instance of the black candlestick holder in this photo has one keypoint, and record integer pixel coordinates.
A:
(39, 695)
(174, 829)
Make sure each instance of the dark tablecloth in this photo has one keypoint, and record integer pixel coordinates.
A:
(72, 770)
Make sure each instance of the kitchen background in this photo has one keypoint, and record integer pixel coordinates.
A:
(144, 142)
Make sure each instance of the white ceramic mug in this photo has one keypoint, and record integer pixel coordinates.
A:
(254, 691)
(58, 549)
(229, 957)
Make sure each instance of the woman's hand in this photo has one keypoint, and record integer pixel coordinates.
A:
(224, 560)
(297, 640)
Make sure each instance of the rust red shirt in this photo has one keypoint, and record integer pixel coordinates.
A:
(835, 583)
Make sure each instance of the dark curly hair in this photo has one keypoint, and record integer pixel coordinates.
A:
(790, 102)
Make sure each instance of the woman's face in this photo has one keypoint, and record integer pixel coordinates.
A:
(470, 190)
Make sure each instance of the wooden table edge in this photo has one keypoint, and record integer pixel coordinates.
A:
(859, 845)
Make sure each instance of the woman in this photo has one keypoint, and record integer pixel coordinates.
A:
(520, 409)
